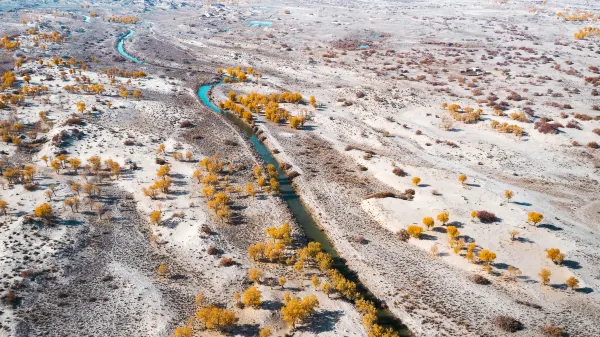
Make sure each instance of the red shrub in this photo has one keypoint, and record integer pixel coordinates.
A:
(486, 217)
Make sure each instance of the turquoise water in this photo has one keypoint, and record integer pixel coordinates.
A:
(123, 52)
(303, 217)
(86, 18)
(261, 24)
(363, 46)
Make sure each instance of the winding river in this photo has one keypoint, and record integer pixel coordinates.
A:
(301, 214)
(123, 52)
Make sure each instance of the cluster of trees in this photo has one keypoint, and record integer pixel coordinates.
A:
(269, 104)
(273, 250)
(7, 44)
(111, 73)
(8, 80)
(217, 196)
(124, 19)
(577, 15)
(11, 131)
(162, 184)
(52, 37)
(94, 166)
(585, 32)
(466, 115)
(15, 175)
(296, 309)
(237, 74)
(508, 128)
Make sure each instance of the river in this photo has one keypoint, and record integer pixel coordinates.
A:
(302, 216)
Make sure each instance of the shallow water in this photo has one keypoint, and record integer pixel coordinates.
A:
(261, 24)
(303, 217)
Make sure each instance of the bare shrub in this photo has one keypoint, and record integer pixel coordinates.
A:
(418, 132)
(596, 131)
(553, 331)
(403, 235)
(186, 124)
(507, 323)
(592, 145)
(399, 172)
(30, 186)
(478, 279)
(129, 142)
(212, 250)
(160, 161)
(226, 262)
(206, 230)
(486, 217)
(74, 121)
(380, 195)
(360, 239)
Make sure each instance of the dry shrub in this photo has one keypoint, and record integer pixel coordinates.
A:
(292, 174)
(74, 121)
(230, 142)
(596, 131)
(418, 132)
(160, 161)
(545, 128)
(129, 142)
(186, 124)
(486, 217)
(478, 279)
(572, 125)
(360, 239)
(507, 323)
(10, 298)
(592, 145)
(30, 186)
(212, 250)
(226, 262)
(399, 172)
(350, 147)
(403, 235)
(206, 230)
(381, 195)
(408, 194)
(553, 331)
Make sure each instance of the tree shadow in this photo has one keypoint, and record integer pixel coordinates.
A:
(249, 330)
(423, 185)
(500, 265)
(550, 227)
(323, 321)
(271, 305)
(73, 223)
(439, 230)
(571, 264)
(456, 224)
(523, 240)
(473, 185)
(586, 290)
(520, 203)
(428, 237)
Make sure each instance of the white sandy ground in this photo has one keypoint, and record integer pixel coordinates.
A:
(181, 237)
(554, 177)
(550, 170)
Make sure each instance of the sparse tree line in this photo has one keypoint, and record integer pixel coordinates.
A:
(474, 253)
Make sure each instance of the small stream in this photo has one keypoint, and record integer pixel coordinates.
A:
(123, 52)
(302, 216)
